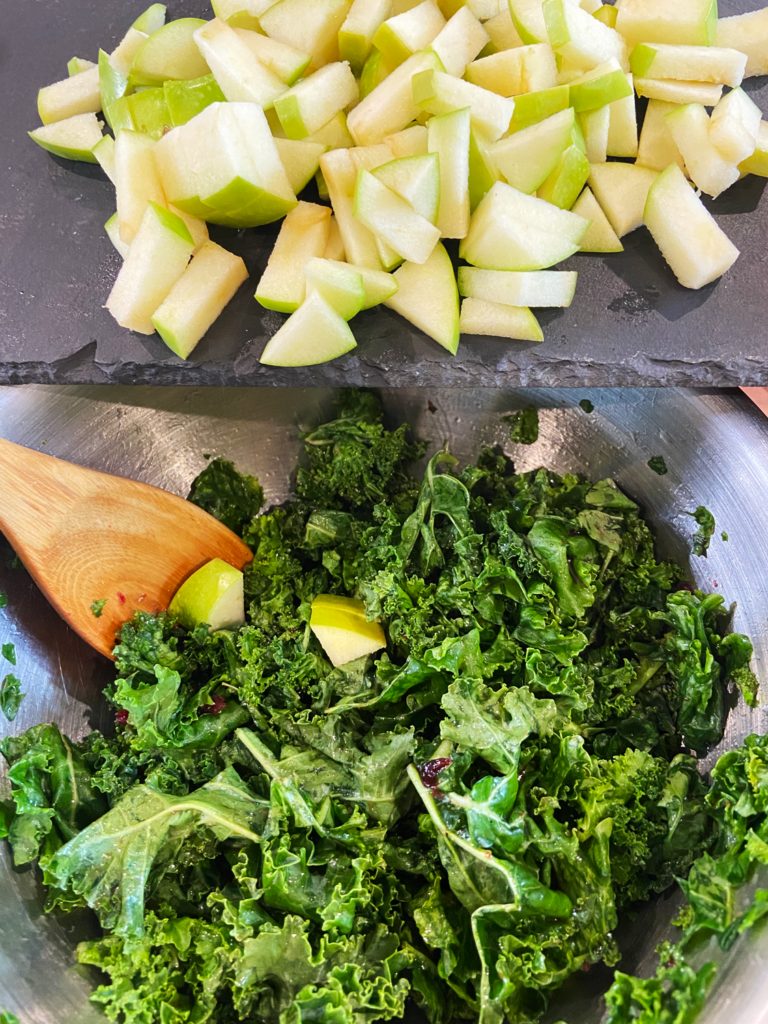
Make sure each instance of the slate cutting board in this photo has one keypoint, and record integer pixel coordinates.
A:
(630, 323)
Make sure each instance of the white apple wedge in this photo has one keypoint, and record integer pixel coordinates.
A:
(747, 33)
(689, 238)
(527, 158)
(313, 101)
(390, 107)
(622, 127)
(240, 75)
(657, 148)
(688, 63)
(580, 38)
(427, 296)
(171, 52)
(596, 125)
(449, 140)
(734, 125)
(357, 32)
(79, 94)
(340, 284)
(284, 61)
(599, 236)
(401, 36)
(155, 261)
(341, 178)
(621, 190)
(393, 219)
(314, 334)
(416, 179)
(308, 25)
(678, 92)
(523, 69)
(73, 139)
(301, 160)
(303, 234)
(112, 229)
(334, 249)
(339, 623)
(497, 320)
(502, 32)
(459, 42)
(409, 142)
(690, 129)
(198, 298)
(439, 93)
(213, 595)
(658, 21)
(137, 181)
(550, 288)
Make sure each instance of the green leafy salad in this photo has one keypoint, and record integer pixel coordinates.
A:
(458, 821)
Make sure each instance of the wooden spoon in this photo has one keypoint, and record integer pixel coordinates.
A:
(85, 536)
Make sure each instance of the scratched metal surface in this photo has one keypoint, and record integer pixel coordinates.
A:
(631, 324)
(716, 448)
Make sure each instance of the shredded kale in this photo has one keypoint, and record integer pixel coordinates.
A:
(524, 426)
(460, 819)
(97, 607)
(10, 696)
(8, 651)
(6, 1017)
(586, 405)
(658, 465)
(3, 599)
(702, 537)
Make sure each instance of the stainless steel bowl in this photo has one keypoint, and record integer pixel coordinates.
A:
(714, 444)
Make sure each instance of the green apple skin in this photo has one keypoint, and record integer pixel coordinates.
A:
(314, 334)
(149, 111)
(77, 65)
(185, 99)
(112, 86)
(71, 141)
(213, 595)
(239, 205)
(564, 184)
(171, 52)
(152, 20)
(339, 623)
(428, 297)
(532, 107)
(288, 110)
(120, 116)
(599, 92)
(483, 172)
(375, 70)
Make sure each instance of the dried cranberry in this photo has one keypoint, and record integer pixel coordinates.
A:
(218, 705)
(121, 597)
(429, 771)
(586, 967)
(121, 717)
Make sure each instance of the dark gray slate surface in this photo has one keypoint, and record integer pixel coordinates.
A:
(630, 324)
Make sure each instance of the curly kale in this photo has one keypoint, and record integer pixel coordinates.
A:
(231, 497)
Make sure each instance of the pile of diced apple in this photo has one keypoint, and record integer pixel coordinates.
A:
(512, 128)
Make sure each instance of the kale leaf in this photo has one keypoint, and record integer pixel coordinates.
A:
(231, 497)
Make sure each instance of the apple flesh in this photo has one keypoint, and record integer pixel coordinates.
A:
(73, 139)
(657, 148)
(79, 94)
(185, 100)
(658, 21)
(405, 34)
(198, 297)
(301, 160)
(112, 229)
(427, 296)
(536, 288)
(344, 633)
(171, 52)
(311, 26)
(459, 42)
(311, 103)
(758, 162)
(123, 55)
(393, 219)
(747, 33)
(241, 76)
(734, 125)
(334, 249)
(689, 238)
(621, 190)
(76, 66)
(502, 32)
(357, 32)
(599, 236)
(137, 181)
(678, 92)
(390, 106)
(688, 63)
(580, 38)
(213, 595)
(303, 234)
(524, 69)
(496, 320)
(528, 20)
(409, 142)
(315, 333)
(438, 93)
(340, 175)
(527, 158)
(341, 285)
(622, 127)
(284, 61)
(157, 258)
(449, 141)
(596, 125)
(151, 20)
(416, 179)
(690, 128)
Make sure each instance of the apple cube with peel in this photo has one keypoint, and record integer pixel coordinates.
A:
(79, 94)
(73, 139)
(483, 170)
(734, 125)
(313, 101)
(688, 22)
(449, 141)
(76, 65)
(223, 167)
(534, 288)
(375, 70)
(622, 127)
(679, 93)
(137, 181)
(409, 142)
(621, 190)
(340, 284)
(459, 42)
(405, 34)
(315, 333)
(580, 38)
(528, 21)
(171, 52)
(334, 134)
(393, 219)
(604, 84)
(308, 25)
(599, 236)
(123, 55)
(532, 107)
(689, 126)
(303, 234)
(212, 595)
(151, 20)
(186, 99)
(528, 157)
(747, 33)
(758, 162)
(688, 63)
(657, 148)
(344, 633)
(241, 76)
(596, 125)
(427, 296)
(390, 107)
(567, 180)
(502, 32)
(341, 178)
(497, 320)
(198, 297)
(691, 242)
(416, 179)
(524, 69)
(288, 63)
(301, 160)
(157, 258)
(439, 93)
(357, 32)
(513, 231)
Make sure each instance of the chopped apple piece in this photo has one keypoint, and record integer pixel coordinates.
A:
(155, 261)
(606, 13)
(524, 69)
(241, 76)
(688, 63)
(199, 297)
(341, 177)
(311, 103)
(149, 112)
(367, 158)
(76, 66)
(604, 84)
(284, 61)
(390, 107)
(528, 21)
(535, 288)
(104, 152)
(567, 180)
(357, 32)
(449, 141)
(688, 22)
(151, 20)
(243, 13)
(734, 125)
(416, 179)
(596, 125)
(678, 93)
(197, 228)
(375, 70)
(689, 126)
(689, 238)
(334, 134)
(657, 148)
(758, 162)
(71, 96)
(439, 93)
(622, 127)
(600, 236)
(334, 249)
(171, 52)
(393, 219)
(532, 107)
(502, 32)
(460, 41)
(301, 160)
(213, 595)
(409, 142)
(527, 158)
(308, 25)
(137, 181)
(340, 284)
(339, 623)
(185, 100)
(73, 139)
(112, 229)
(315, 333)
(405, 34)
(113, 87)
(303, 234)
(580, 38)
(483, 171)
(497, 320)
(747, 33)
(621, 190)
(123, 55)
(427, 296)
